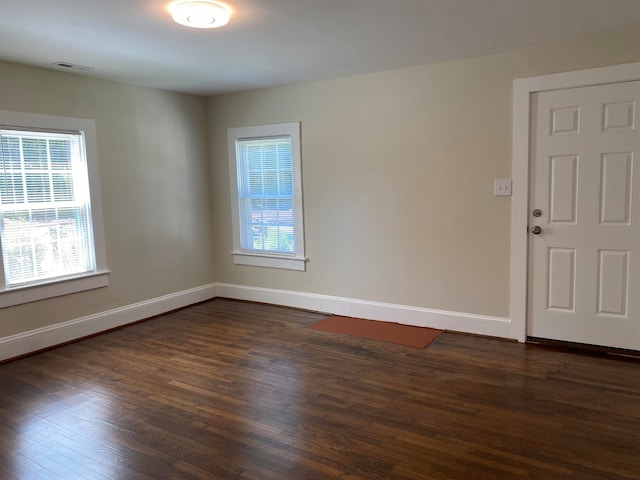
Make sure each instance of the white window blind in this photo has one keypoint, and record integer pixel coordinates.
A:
(45, 212)
(266, 195)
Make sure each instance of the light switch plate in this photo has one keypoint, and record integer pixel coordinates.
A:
(502, 187)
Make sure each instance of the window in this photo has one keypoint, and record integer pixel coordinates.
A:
(266, 190)
(50, 223)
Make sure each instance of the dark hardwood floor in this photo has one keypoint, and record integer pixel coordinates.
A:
(233, 390)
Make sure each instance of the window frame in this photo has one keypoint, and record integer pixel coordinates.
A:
(54, 287)
(296, 260)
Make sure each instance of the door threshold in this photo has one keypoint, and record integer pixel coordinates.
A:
(586, 348)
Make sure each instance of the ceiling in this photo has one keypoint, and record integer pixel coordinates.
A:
(276, 42)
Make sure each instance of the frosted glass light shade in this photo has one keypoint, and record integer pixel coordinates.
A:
(200, 13)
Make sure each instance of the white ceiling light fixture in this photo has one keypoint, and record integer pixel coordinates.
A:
(200, 13)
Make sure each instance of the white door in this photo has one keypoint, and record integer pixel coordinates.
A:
(584, 263)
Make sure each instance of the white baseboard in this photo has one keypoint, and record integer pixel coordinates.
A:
(387, 312)
(34, 340)
(41, 338)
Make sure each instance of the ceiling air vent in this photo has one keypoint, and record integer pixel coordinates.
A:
(72, 66)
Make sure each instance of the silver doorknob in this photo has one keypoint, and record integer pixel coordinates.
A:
(536, 230)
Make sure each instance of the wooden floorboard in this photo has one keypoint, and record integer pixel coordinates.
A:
(234, 390)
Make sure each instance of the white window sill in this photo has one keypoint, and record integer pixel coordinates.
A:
(55, 288)
(285, 262)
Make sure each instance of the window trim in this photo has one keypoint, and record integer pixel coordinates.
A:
(297, 260)
(49, 288)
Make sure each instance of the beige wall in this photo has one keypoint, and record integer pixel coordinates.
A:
(155, 192)
(398, 171)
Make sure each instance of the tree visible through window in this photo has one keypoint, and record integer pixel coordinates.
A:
(45, 228)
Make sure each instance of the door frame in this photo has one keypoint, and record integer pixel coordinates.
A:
(523, 89)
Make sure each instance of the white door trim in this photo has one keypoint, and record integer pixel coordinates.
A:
(523, 88)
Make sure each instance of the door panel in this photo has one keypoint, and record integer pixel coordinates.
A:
(563, 189)
(613, 282)
(584, 281)
(615, 187)
(561, 281)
